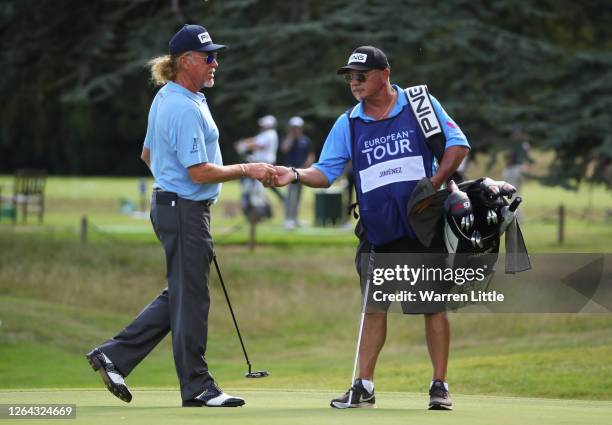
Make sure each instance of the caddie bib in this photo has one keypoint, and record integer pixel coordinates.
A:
(389, 157)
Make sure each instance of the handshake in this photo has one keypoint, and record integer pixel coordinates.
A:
(269, 175)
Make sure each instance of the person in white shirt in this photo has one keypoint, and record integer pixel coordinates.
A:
(259, 148)
(263, 146)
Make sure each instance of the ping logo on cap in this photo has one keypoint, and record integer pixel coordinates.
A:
(204, 37)
(358, 57)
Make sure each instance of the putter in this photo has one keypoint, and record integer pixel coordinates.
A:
(363, 308)
(250, 373)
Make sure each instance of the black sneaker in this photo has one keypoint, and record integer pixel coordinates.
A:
(214, 396)
(439, 397)
(359, 397)
(110, 375)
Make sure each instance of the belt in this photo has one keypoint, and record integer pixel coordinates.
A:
(206, 202)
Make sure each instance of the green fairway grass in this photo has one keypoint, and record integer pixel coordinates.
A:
(300, 326)
(297, 302)
(68, 199)
(152, 407)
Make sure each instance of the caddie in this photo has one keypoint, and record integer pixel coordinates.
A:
(388, 149)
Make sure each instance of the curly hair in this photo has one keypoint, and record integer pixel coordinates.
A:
(163, 68)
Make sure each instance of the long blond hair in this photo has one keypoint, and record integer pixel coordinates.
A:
(164, 68)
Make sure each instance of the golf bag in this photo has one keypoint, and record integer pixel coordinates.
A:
(254, 200)
(476, 212)
(476, 215)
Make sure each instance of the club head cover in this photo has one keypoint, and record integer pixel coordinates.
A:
(457, 204)
(495, 188)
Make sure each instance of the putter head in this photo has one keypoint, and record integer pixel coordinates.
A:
(257, 374)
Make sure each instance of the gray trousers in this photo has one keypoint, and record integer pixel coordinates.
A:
(183, 228)
(292, 201)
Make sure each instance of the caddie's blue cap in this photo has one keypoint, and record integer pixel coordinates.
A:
(192, 37)
(365, 58)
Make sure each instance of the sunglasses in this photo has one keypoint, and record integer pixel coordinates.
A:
(360, 77)
(209, 58)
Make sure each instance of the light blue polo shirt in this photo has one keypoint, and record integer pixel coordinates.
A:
(181, 132)
(337, 148)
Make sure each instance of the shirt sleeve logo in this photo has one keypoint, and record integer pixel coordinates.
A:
(204, 37)
(196, 145)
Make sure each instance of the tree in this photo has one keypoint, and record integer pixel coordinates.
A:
(542, 67)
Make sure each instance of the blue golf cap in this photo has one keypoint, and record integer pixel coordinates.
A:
(192, 37)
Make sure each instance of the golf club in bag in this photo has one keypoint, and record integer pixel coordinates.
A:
(250, 374)
(476, 215)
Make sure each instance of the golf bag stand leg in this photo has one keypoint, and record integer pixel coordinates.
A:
(363, 309)
(250, 374)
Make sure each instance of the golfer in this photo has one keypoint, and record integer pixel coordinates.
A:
(382, 113)
(181, 148)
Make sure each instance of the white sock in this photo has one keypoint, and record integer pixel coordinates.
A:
(445, 385)
(368, 385)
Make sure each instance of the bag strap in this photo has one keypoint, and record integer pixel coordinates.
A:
(429, 123)
(351, 123)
